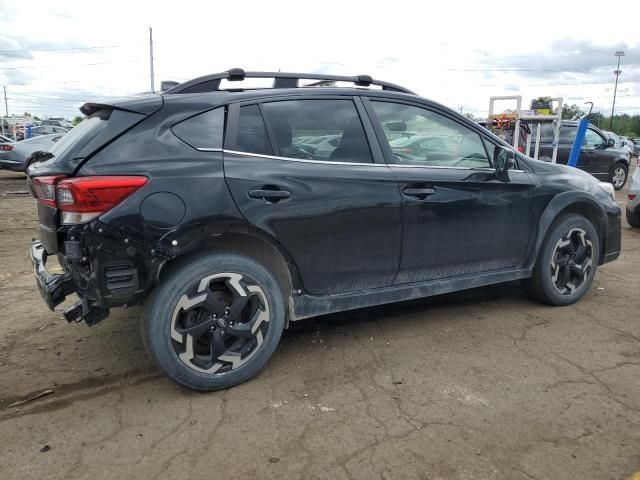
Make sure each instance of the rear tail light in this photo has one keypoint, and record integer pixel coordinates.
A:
(81, 199)
(44, 188)
(6, 148)
(632, 197)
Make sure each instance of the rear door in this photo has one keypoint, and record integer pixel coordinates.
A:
(459, 218)
(335, 209)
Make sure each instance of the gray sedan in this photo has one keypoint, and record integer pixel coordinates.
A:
(13, 155)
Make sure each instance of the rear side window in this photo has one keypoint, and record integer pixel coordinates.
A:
(317, 130)
(205, 130)
(252, 133)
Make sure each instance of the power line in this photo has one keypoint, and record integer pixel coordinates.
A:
(69, 49)
(27, 67)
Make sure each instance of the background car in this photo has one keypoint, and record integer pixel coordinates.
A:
(621, 143)
(626, 141)
(13, 155)
(47, 130)
(57, 122)
(598, 155)
(633, 199)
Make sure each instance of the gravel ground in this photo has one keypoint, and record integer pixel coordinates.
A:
(484, 384)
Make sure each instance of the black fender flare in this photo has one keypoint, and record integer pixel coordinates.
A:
(563, 201)
(198, 237)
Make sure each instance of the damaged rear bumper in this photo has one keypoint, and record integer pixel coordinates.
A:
(53, 288)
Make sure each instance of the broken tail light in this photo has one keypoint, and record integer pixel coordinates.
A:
(81, 199)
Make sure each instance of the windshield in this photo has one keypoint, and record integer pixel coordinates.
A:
(79, 136)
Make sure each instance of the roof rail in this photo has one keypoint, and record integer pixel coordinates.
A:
(211, 83)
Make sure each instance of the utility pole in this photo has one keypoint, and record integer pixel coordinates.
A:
(151, 57)
(617, 71)
(6, 105)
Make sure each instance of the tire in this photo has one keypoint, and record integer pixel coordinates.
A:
(633, 219)
(618, 175)
(201, 330)
(549, 283)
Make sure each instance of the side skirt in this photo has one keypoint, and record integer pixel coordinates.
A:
(305, 306)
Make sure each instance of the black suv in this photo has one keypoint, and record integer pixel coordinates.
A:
(221, 212)
(598, 155)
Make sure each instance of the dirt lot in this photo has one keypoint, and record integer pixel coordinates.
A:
(484, 384)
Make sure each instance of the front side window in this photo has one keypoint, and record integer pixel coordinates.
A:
(418, 136)
(592, 139)
(317, 130)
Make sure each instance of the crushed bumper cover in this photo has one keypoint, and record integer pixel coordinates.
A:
(53, 287)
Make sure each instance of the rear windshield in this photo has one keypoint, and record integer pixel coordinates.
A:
(82, 134)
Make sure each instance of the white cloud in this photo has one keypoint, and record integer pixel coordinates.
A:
(457, 53)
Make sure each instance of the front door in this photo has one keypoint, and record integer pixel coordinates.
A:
(304, 172)
(459, 218)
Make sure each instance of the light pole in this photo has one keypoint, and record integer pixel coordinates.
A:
(617, 71)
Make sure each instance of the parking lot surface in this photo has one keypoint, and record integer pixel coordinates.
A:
(484, 384)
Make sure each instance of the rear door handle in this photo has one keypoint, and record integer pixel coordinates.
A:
(417, 192)
(270, 196)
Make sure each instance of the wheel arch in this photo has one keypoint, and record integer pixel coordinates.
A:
(580, 203)
(245, 240)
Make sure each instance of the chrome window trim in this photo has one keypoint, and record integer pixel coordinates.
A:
(328, 162)
(302, 160)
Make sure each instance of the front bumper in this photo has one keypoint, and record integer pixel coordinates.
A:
(53, 288)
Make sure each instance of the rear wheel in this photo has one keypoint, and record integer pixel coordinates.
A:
(215, 321)
(633, 219)
(618, 175)
(566, 263)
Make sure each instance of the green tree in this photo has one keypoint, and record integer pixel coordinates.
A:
(76, 120)
(597, 119)
(472, 117)
(571, 112)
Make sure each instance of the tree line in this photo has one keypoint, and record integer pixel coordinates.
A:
(625, 124)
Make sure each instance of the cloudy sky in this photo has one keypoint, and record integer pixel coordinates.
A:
(54, 55)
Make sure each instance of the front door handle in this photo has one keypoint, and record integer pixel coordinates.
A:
(269, 196)
(418, 192)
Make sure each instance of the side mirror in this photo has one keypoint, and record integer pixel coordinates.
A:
(611, 143)
(504, 159)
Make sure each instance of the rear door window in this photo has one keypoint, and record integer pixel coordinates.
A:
(567, 135)
(252, 133)
(323, 129)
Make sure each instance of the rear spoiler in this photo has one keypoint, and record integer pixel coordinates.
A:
(143, 104)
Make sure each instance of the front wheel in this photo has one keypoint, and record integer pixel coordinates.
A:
(215, 321)
(618, 175)
(566, 263)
